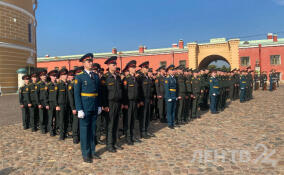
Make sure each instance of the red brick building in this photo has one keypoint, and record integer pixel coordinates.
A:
(262, 55)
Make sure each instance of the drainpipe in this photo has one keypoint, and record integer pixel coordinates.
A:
(259, 56)
(173, 56)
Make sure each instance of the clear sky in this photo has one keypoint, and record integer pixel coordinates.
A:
(67, 27)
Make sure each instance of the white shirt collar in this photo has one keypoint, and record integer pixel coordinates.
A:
(88, 72)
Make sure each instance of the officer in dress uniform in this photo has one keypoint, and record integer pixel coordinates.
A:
(170, 96)
(130, 100)
(25, 101)
(87, 102)
(43, 95)
(213, 92)
(145, 84)
(112, 98)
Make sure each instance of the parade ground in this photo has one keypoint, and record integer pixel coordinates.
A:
(246, 138)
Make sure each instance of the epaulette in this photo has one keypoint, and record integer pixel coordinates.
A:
(38, 82)
(79, 73)
(106, 74)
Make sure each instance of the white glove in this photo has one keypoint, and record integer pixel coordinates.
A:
(81, 114)
(99, 110)
(214, 94)
(169, 100)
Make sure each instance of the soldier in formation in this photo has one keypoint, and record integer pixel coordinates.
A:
(86, 103)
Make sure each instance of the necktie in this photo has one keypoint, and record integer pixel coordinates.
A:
(92, 75)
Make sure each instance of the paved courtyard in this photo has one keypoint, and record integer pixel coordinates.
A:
(247, 138)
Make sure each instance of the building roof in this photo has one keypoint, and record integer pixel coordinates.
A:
(161, 51)
(264, 43)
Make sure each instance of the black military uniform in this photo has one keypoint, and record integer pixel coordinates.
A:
(100, 123)
(131, 100)
(63, 103)
(196, 91)
(24, 100)
(160, 90)
(112, 97)
(34, 90)
(43, 95)
(263, 81)
(52, 103)
(145, 84)
(189, 93)
(181, 94)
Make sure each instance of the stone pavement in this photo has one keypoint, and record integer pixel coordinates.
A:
(249, 135)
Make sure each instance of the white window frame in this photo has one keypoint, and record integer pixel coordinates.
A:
(248, 61)
(274, 58)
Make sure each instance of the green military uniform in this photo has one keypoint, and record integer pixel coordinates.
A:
(112, 98)
(74, 121)
(131, 99)
(250, 85)
(62, 102)
(52, 102)
(196, 91)
(160, 90)
(24, 99)
(181, 103)
(231, 84)
(43, 115)
(33, 88)
(188, 107)
(205, 87)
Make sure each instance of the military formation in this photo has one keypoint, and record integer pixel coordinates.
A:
(88, 102)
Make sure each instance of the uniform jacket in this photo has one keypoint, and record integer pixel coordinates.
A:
(170, 88)
(87, 92)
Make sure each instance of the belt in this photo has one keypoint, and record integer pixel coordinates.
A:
(89, 94)
(173, 90)
(243, 81)
(215, 86)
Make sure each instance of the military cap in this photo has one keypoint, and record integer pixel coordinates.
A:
(88, 56)
(125, 69)
(79, 69)
(111, 60)
(195, 71)
(63, 71)
(71, 73)
(34, 74)
(43, 72)
(161, 68)
(170, 67)
(131, 63)
(144, 64)
(25, 77)
(53, 73)
(96, 66)
(118, 70)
